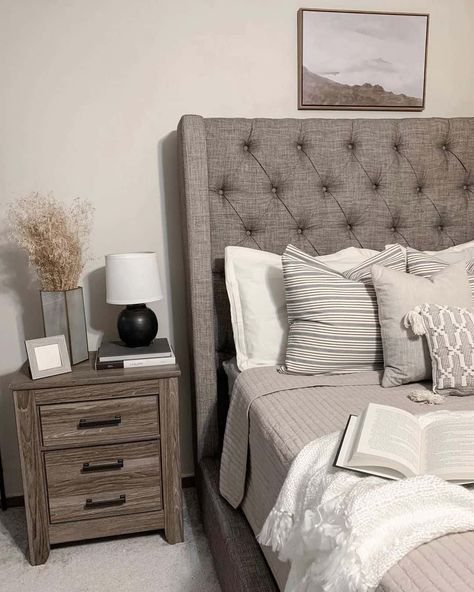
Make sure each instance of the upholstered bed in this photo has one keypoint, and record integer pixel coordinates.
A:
(321, 185)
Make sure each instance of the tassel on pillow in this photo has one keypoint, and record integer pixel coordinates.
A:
(414, 321)
(428, 397)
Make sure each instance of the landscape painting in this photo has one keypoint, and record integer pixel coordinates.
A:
(362, 60)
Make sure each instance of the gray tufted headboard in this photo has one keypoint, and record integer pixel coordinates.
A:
(319, 184)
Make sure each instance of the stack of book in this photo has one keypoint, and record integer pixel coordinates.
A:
(115, 354)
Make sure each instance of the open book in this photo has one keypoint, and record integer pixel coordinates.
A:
(392, 443)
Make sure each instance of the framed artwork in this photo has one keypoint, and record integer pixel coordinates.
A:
(361, 60)
(48, 356)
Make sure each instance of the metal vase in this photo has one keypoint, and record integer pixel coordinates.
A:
(63, 314)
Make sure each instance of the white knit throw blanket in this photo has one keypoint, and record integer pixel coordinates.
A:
(342, 531)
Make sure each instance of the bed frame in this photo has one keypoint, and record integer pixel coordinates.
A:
(321, 185)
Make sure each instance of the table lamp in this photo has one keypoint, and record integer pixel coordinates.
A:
(133, 279)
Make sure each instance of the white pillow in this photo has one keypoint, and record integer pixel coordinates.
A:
(468, 247)
(455, 249)
(254, 281)
(255, 286)
(347, 258)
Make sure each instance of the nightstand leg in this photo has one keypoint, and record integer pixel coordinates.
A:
(33, 482)
(171, 460)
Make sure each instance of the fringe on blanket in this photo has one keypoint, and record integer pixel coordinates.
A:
(339, 567)
(324, 533)
(276, 530)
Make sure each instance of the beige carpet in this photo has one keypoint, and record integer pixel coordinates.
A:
(142, 563)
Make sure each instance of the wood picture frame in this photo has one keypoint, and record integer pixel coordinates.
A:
(48, 356)
(362, 60)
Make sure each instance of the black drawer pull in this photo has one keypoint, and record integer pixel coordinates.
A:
(117, 501)
(84, 424)
(113, 466)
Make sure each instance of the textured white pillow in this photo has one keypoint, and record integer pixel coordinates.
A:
(254, 281)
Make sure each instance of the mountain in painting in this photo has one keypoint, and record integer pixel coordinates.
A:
(318, 90)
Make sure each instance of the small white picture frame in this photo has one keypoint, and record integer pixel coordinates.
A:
(48, 356)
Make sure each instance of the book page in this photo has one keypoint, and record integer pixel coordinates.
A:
(448, 447)
(391, 434)
(346, 448)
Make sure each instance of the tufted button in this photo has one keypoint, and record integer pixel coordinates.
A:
(299, 146)
(466, 187)
(324, 188)
(349, 227)
(221, 192)
(300, 231)
(350, 146)
(418, 189)
(274, 189)
(444, 147)
(395, 148)
(246, 147)
(393, 229)
(248, 232)
(440, 227)
(375, 186)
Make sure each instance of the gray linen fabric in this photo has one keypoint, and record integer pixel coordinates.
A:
(285, 414)
(406, 356)
(255, 383)
(319, 184)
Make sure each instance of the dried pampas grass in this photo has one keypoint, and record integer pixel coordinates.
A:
(55, 236)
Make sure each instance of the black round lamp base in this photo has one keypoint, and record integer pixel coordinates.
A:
(137, 325)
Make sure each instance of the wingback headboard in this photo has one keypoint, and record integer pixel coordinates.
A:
(320, 184)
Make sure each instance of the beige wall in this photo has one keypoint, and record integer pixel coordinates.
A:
(91, 92)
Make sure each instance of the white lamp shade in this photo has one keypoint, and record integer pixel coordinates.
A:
(132, 278)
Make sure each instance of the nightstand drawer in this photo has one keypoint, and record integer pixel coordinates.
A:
(99, 422)
(103, 481)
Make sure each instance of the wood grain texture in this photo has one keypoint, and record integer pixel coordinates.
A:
(53, 451)
(69, 486)
(105, 527)
(138, 419)
(96, 391)
(85, 374)
(171, 460)
(33, 477)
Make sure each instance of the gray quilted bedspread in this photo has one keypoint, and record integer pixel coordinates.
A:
(272, 416)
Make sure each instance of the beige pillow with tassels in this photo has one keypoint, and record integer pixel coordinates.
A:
(406, 356)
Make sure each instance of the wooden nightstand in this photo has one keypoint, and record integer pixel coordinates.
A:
(99, 454)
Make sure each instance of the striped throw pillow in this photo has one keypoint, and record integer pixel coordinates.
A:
(420, 263)
(333, 317)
